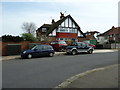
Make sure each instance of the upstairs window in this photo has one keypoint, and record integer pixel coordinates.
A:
(44, 29)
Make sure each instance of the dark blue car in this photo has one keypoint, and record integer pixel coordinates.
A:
(38, 50)
(79, 47)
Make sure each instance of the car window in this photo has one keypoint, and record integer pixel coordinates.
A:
(79, 44)
(84, 45)
(62, 42)
(46, 47)
(35, 47)
(40, 47)
(49, 47)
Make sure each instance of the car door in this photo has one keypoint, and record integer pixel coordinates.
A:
(45, 50)
(79, 47)
(38, 51)
(84, 47)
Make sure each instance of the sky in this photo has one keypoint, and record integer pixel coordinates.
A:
(90, 15)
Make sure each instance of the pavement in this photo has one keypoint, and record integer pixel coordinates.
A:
(105, 77)
(57, 54)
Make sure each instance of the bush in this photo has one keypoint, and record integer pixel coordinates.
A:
(28, 37)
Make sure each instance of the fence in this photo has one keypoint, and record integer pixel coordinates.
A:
(115, 45)
(112, 46)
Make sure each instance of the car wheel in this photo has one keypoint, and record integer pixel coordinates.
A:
(90, 51)
(29, 56)
(51, 54)
(74, 52)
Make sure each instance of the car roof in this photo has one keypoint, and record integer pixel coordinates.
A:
(57, 40)
(42, 45)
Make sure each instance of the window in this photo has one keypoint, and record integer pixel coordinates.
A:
(47, 47)
(79, 44)
(63, 29)
(65, 39)
(67, 30)
(44, 29)
(38, 47)
(61, 38)
(84, 45)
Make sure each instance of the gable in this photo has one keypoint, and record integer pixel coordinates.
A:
(66, 22)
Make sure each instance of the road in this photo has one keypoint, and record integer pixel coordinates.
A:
(48, 72)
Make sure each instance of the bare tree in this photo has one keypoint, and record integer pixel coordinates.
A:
(29, 27)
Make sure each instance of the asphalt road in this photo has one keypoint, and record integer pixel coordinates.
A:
(48, 72)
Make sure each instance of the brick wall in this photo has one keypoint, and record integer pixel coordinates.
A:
(67, 35)
(24, 46)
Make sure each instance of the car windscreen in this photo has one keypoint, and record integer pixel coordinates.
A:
(55, 42)
(34, 48)
(62, 42)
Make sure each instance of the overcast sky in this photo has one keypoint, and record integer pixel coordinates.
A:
(91, 15)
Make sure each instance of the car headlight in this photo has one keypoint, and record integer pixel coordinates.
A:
(24, 52)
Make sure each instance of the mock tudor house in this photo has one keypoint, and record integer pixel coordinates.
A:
(64, 29)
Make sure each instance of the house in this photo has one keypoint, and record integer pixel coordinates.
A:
(110, 36)
(90, 37)
(64, 29)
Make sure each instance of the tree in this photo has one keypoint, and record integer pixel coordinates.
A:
(28, 37)
(29, 27)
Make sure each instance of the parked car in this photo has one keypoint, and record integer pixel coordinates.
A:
(91, 45)
(38, 50)
(58, 45)
(78, 47)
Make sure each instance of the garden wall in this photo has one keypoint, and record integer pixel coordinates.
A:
(5, 46)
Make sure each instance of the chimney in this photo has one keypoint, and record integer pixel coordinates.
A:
(53, 21)
(62, 15)
(113, 27)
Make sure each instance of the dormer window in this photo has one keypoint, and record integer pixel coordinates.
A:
(44, 29)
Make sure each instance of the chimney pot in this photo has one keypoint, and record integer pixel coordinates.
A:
(53, 21)
(62, 15)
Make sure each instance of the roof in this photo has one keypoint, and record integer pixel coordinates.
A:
(88, 37)
(91, 32)
(113, 30)
(51, 27)
(55, 25)
(45, 26)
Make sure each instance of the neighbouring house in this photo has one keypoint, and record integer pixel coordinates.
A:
(64, 29)
(101, 39)
(90, 37)
(110, 36)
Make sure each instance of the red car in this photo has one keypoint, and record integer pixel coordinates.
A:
(91, 44)
(58, 45)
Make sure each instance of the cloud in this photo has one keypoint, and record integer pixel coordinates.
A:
(90, 15)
